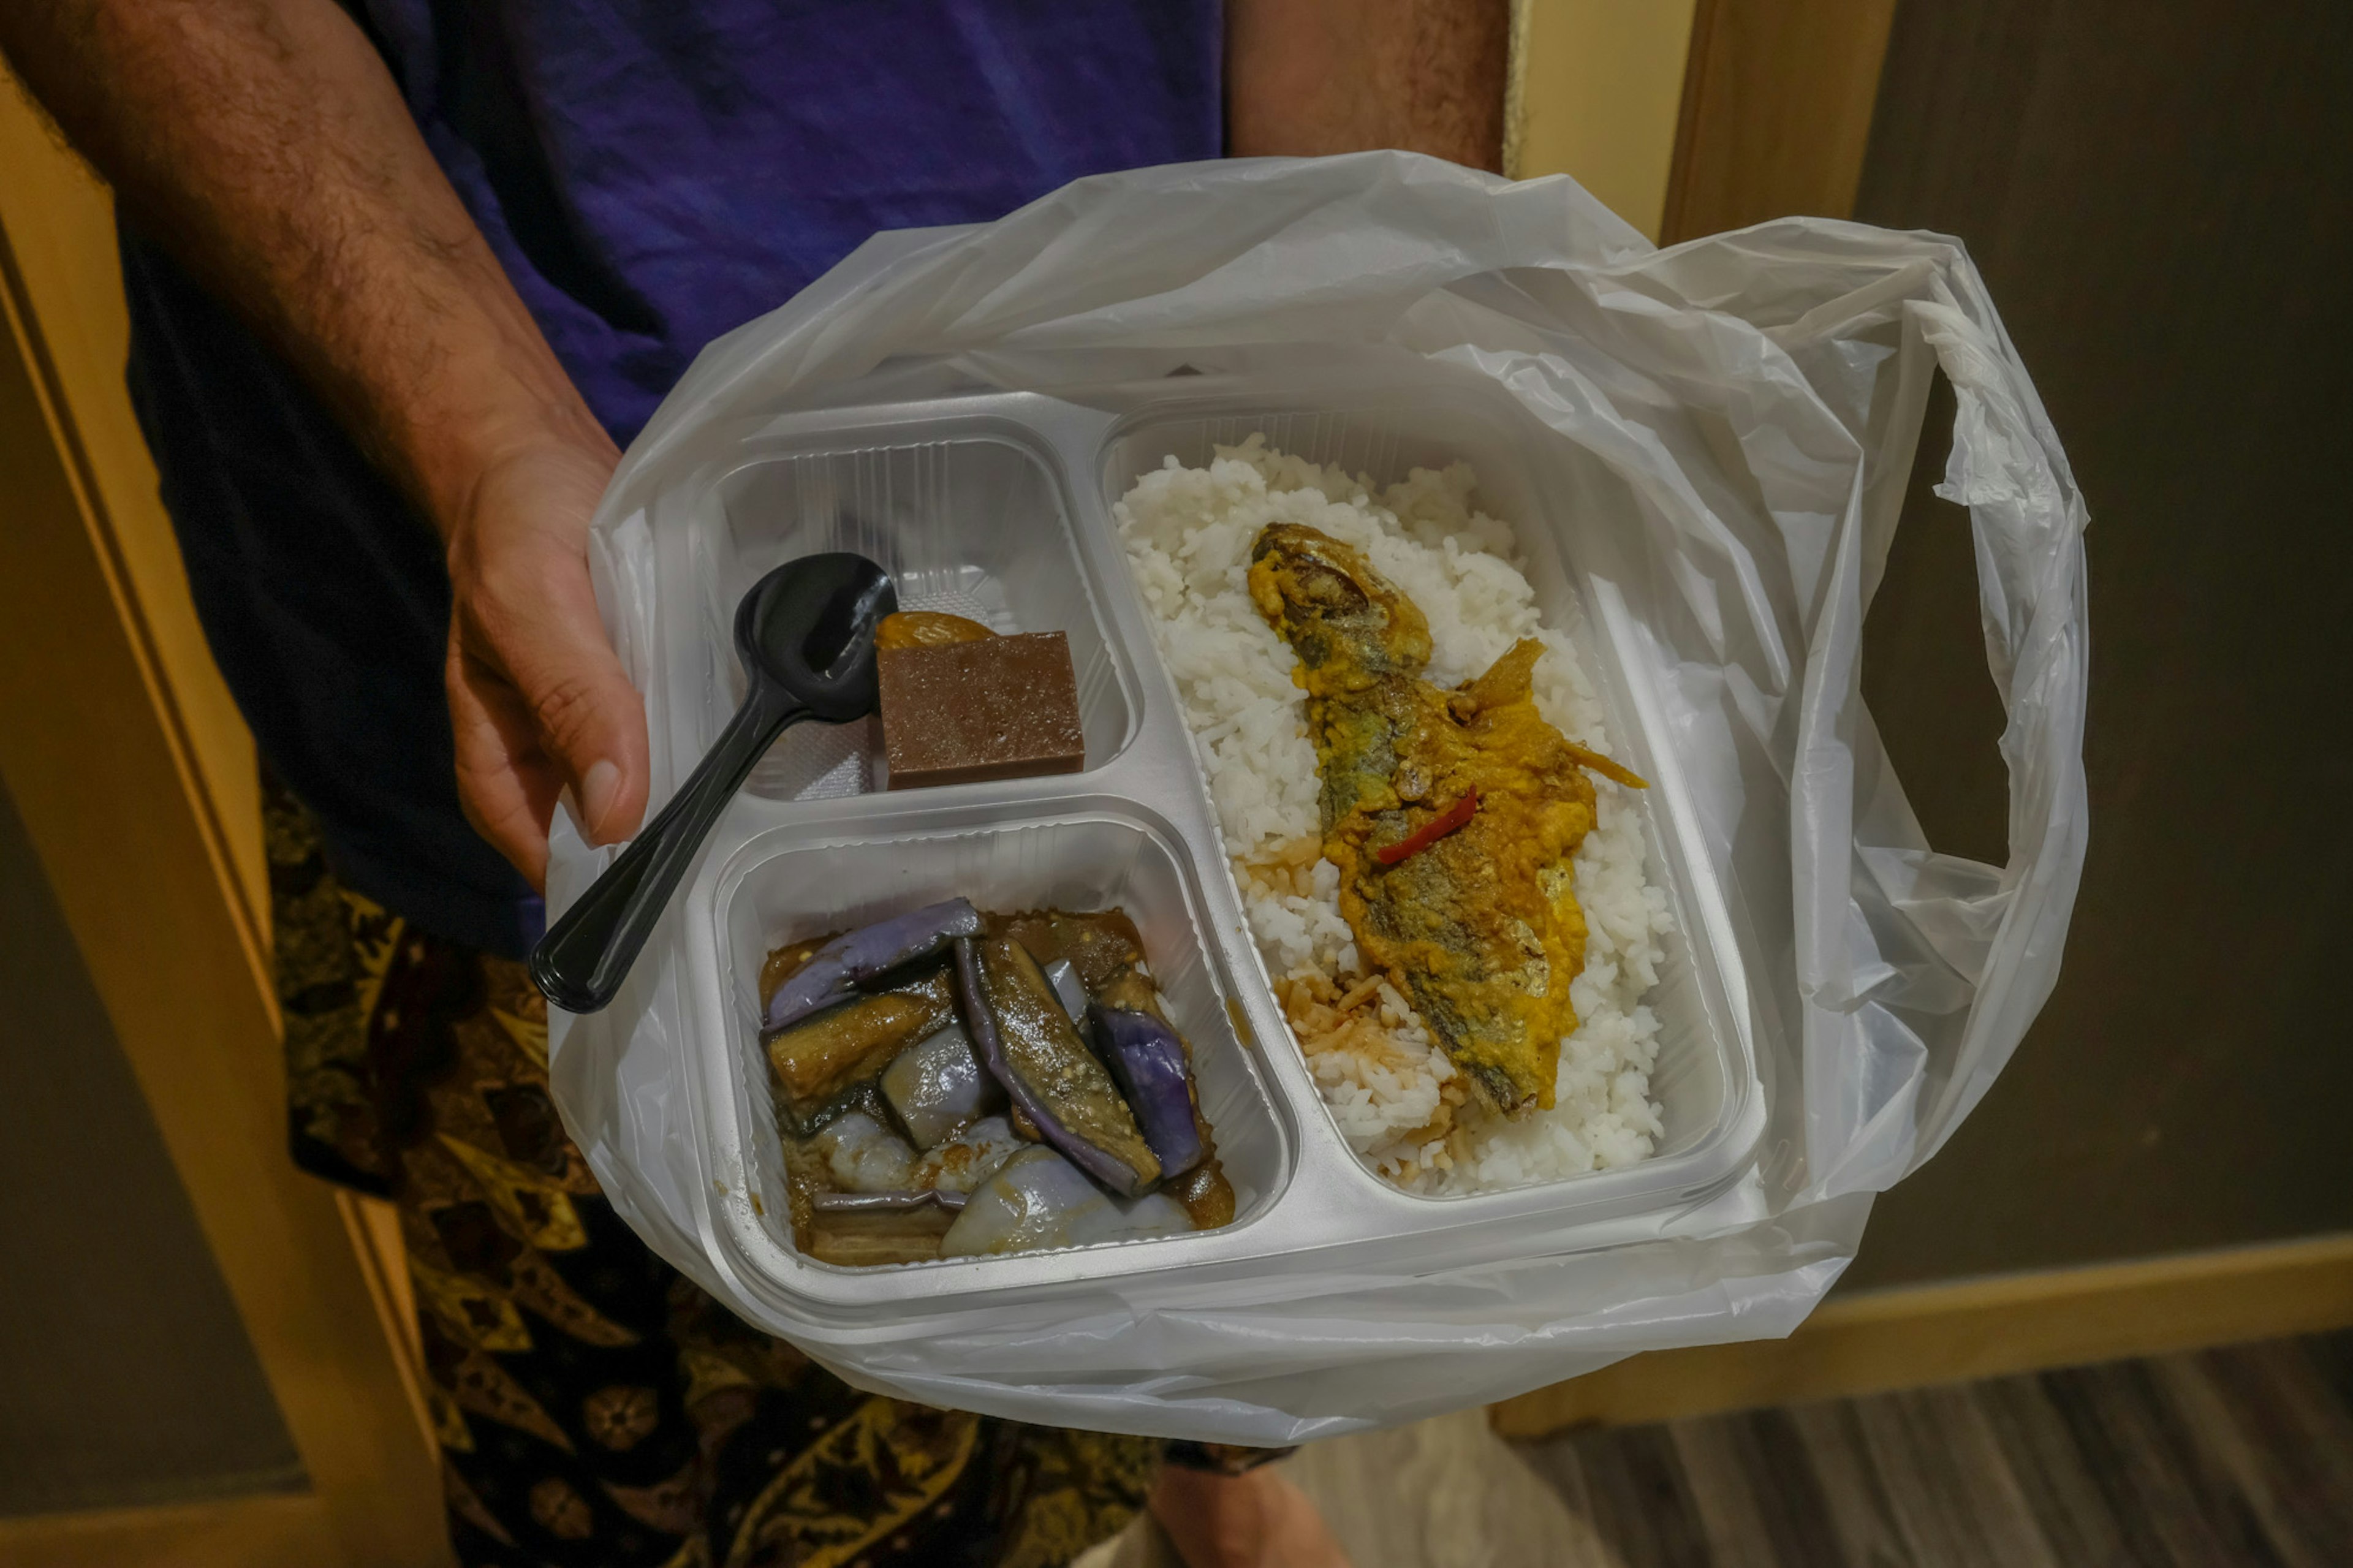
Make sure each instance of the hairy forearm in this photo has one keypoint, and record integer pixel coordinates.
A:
(264, 142)
(1306, 76)
(265, 145)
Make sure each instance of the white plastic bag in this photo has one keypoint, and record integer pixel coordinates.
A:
(1762, 392)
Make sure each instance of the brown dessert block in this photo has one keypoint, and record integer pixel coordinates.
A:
(1000, 708)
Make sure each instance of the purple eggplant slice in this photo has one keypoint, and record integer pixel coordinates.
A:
(1031, 1047)
(854, 958)
(820, 1059)
(1148, 1059)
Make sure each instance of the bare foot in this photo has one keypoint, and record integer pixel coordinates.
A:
(1258, 1520)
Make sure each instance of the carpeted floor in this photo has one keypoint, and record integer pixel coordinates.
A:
(2225, 1459)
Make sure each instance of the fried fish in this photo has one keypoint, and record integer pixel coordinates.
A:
(1452, 815)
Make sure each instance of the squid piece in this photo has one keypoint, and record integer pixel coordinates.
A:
(1031, 1047)
(971, 1157)
(1063, 976)
(1148, 1059)
(820, 1061)
(836, 970)
(864, 1156)
(1039, 1199)
(937, 1085)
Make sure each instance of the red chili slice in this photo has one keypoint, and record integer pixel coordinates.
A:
(1429, 832)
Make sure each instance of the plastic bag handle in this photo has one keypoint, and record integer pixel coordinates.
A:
(1999, 928)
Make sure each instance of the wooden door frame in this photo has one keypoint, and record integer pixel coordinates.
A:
(135, 781)
(279, 1531)
(1873, 1342)
(1777, 101)
(1596, 92)
(1689, 117)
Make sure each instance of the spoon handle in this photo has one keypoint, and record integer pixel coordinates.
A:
(581, 962)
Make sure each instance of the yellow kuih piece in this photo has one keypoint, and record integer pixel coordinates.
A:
(997, 708)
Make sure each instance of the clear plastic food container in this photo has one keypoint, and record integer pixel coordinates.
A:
(999, 506)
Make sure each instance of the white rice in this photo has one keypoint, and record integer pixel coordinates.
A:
(1393, 1093)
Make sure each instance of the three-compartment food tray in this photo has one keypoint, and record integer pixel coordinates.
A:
(998, 505)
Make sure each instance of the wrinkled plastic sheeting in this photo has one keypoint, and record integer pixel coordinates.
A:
(1761, 392)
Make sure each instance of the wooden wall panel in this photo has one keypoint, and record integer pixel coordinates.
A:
(99, 684)
(126, 1377)
(1777, 110)
(60, 225)
(1597, 89)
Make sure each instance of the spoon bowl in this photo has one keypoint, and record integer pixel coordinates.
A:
(808, 626)
(804, 633)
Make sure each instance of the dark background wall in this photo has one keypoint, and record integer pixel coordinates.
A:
(2161, 198)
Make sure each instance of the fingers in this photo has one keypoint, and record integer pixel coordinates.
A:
(538, 703)
(507, 786)
(589, 720)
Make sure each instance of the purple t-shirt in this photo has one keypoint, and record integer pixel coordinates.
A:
(652, 174)
(655, 173)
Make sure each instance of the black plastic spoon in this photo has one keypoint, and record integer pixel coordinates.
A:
(806, 635)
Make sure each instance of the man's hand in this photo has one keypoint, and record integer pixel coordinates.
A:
(537, 701)
(265, 143)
